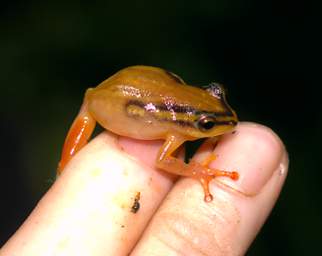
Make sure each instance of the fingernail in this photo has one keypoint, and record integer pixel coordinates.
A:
(254, 151)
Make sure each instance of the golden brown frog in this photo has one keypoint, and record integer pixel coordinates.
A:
(150, 103)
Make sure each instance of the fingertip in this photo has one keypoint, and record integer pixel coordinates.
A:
(254, 151)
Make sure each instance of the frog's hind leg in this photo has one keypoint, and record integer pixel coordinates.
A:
(199, 171)
(77, 137)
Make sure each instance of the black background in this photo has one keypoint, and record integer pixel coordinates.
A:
(266, 53)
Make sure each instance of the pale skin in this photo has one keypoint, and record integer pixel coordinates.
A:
(89, 209)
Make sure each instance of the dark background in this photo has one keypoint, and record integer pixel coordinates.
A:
(266, 53)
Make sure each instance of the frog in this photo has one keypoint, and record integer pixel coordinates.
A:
(151, 103)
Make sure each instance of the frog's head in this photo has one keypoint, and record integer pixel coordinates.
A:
(217, 117)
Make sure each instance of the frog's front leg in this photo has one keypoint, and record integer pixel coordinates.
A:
(199, 171)
(77, 136)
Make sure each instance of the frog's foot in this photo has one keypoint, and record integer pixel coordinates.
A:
(205, 174)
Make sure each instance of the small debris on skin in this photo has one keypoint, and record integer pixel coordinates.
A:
(136, 204)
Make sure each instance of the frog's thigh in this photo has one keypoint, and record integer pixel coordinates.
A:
(77, 136)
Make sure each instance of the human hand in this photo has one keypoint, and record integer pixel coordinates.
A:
(88, 210)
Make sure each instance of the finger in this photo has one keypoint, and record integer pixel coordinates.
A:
(186, 225)
(98, 206)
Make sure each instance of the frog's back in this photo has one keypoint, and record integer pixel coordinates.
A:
(141, 81)
(157, 85)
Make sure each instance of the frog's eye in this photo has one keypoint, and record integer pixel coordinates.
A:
(216, 90)
(205, 123)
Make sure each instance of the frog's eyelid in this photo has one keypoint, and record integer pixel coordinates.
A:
(213, 114)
